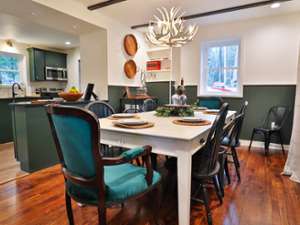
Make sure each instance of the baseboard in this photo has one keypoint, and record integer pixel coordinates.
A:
(260, 144)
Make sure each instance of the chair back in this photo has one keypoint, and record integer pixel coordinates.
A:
(77, 138)
(210, 102)
(276, 115)
(100, 109)
(239, 124)
(149, 105)
(213, 141)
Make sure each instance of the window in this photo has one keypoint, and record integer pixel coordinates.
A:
(9, 68)
(220, 74)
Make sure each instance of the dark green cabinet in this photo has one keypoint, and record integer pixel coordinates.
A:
(39, 59)
(55, 59)
(37, 64)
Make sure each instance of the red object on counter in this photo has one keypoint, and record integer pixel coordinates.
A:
(154, 65)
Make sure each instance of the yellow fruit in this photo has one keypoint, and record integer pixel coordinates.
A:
(73, 90)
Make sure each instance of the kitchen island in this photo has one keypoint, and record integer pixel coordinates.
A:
(33, 141)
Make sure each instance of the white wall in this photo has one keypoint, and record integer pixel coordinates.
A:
(73, 68)
(115, 34)
(269, 48)
(93, 61)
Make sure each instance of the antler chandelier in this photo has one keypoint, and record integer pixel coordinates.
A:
(169, 29)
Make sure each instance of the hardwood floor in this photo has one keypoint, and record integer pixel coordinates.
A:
(263, 197)
(9, 167)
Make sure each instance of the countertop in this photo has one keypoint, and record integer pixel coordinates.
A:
(43, 103)
(21, 97)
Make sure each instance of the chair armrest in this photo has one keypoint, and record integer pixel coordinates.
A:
(128, 156)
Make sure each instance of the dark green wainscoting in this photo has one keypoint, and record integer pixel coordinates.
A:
(260, 98)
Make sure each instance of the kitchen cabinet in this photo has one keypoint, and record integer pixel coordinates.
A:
(55, 59)
(39, 59)
(37, 64)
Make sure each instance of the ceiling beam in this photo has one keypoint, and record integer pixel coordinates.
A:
(104, 4)
(221, 11)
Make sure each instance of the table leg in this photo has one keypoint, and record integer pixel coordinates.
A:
(184, 187)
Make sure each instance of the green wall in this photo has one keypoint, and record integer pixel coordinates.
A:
(260, 98)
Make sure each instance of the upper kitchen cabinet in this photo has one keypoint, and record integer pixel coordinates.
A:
(56, 59)
(40, 59)
(37, 64)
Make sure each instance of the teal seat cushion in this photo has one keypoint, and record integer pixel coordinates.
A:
(122, 182)
(213, 103)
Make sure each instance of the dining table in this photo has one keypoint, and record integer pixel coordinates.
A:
(169, 139)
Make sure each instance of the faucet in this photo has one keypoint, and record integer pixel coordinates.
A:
(14, 94)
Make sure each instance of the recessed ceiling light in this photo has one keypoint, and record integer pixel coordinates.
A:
(275, 5)
(67, 42)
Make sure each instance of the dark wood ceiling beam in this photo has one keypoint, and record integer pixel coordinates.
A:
(221, 11)
(104, 4)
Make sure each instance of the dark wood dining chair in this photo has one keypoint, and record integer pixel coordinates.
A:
(231, 140)
(103, 110)
(206, 164)
(149, 105)
(272, 126)
(90, 178)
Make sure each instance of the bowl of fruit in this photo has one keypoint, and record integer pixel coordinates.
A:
(71, 96)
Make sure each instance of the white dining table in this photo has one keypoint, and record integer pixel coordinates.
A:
(166, 138)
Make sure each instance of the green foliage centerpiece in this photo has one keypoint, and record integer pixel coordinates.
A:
(175, 110)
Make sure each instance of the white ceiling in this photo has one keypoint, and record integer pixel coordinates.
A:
(133, 12)
(28, 22)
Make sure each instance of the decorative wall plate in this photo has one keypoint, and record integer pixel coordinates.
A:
(130, 44)
(130, 69)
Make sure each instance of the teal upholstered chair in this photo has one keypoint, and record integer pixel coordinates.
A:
(210, 102)
(91, 178)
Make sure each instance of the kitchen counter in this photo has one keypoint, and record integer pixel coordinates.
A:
(21, 97)
(80, 103)
(33, 141)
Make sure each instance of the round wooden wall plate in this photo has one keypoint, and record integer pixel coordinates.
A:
(130, 69)
(130, 44)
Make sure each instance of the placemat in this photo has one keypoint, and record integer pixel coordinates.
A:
(202, 123)
(147, 125)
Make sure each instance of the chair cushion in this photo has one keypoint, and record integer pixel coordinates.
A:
(225, 142)
(122, 182)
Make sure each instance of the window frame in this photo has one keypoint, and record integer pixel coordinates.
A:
(202, 87)
(20, 66)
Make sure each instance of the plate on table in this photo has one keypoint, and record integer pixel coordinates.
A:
(191, 119)
(123, 115)
(212, 111)
(132, 122)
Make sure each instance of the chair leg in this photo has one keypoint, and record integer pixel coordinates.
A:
(227, 170)
(158, 207)
(101, 215)
(154, 160)
(218, 189)
(221, 172)
(267, 143)
(281, 142)
(236, 162)
(69, 209)
(206, 204)
(251, 140)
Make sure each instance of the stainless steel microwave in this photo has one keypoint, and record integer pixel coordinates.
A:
(53, 73)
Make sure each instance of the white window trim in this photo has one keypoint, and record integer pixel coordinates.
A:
(202, 91)
(21, 67)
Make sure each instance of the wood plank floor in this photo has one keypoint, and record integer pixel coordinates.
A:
(9, 167)
(264, 197)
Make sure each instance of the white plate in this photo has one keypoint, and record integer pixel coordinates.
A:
(212, 110)
(191, 119)
(132, 122)
(123, 115)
